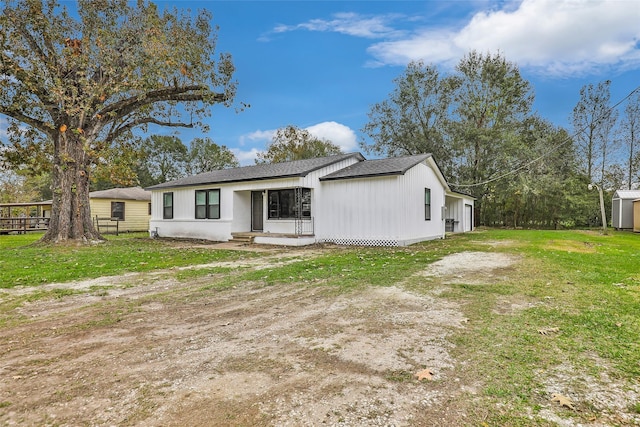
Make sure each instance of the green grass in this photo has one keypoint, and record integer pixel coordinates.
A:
(584, 284)
(24, 264)
(349, 268)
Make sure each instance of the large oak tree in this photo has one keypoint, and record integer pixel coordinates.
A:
(74, 84)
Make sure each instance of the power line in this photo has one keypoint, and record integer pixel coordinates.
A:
(552, 150)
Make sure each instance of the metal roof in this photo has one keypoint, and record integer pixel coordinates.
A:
(131, 193)
(297, 168)
(627, 194)
(379, 167)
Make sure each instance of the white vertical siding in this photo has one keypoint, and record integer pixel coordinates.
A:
(241, 217)
(412, 186)
(384, 210)
(358, 210)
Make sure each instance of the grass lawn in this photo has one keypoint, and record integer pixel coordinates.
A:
(24, 264)
(566, 316)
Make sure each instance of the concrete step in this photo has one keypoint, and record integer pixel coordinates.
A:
(241, 238)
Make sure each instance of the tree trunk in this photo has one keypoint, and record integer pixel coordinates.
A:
(70, 210)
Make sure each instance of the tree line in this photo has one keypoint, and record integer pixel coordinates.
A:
(479, 124)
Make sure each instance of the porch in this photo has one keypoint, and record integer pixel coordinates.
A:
(24, 217)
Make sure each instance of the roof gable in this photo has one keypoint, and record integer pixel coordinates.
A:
(378, 167)
(297, 168)
(627, 194)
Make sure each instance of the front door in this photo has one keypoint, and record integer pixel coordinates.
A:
(257, 214)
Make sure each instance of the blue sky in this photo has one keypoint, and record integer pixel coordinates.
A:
(321, 65)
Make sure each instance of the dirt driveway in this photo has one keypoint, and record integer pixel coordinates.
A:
(148, 350)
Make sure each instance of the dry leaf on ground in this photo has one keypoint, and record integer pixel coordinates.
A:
(562, 401)
(425, 374)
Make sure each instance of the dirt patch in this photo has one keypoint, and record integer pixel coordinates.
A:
(471, 267)
(144, 349)
(609, 398)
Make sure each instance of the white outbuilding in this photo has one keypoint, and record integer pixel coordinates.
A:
(343, 199)
(622, 209)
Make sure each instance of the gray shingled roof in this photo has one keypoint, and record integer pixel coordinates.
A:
(131, 193)
(297, 168)
(381, 167)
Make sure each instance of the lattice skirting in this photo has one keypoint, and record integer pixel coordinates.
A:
(362, 242)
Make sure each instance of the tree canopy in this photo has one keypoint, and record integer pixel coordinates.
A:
(165, 158)
(292, 143)
(479, 123)
(593, 121)
(75, 85)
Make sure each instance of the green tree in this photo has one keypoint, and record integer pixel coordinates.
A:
(593, 120)
(630, 136)
(80, 82)
(164, 159)
(413, 119)
(292, 143)
(205, 156)
(492, 101)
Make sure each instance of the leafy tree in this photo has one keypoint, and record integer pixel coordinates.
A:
(292, 143)
(630, 135)
(413, 120)
(205, 156)
(492, 101)
(116, 167)
(164, 159)
(81, 82)
(593, 120)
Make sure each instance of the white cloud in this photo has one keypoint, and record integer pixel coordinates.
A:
(557, 36)
(259, 135)
(246, 157)
(348, 23)
(341, 135)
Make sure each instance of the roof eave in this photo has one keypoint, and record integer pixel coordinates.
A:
(230, 181)
(369, 175)
(233, 181)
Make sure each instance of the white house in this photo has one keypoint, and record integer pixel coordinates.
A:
(343, 199)
(622, 209)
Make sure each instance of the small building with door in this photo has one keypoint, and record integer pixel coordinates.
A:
(622, 209)
(343, 199)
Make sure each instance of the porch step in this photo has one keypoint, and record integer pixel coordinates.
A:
(245, 238)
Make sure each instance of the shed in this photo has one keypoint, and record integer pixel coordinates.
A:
(622, 208)
(636, 216)
(129, 207)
